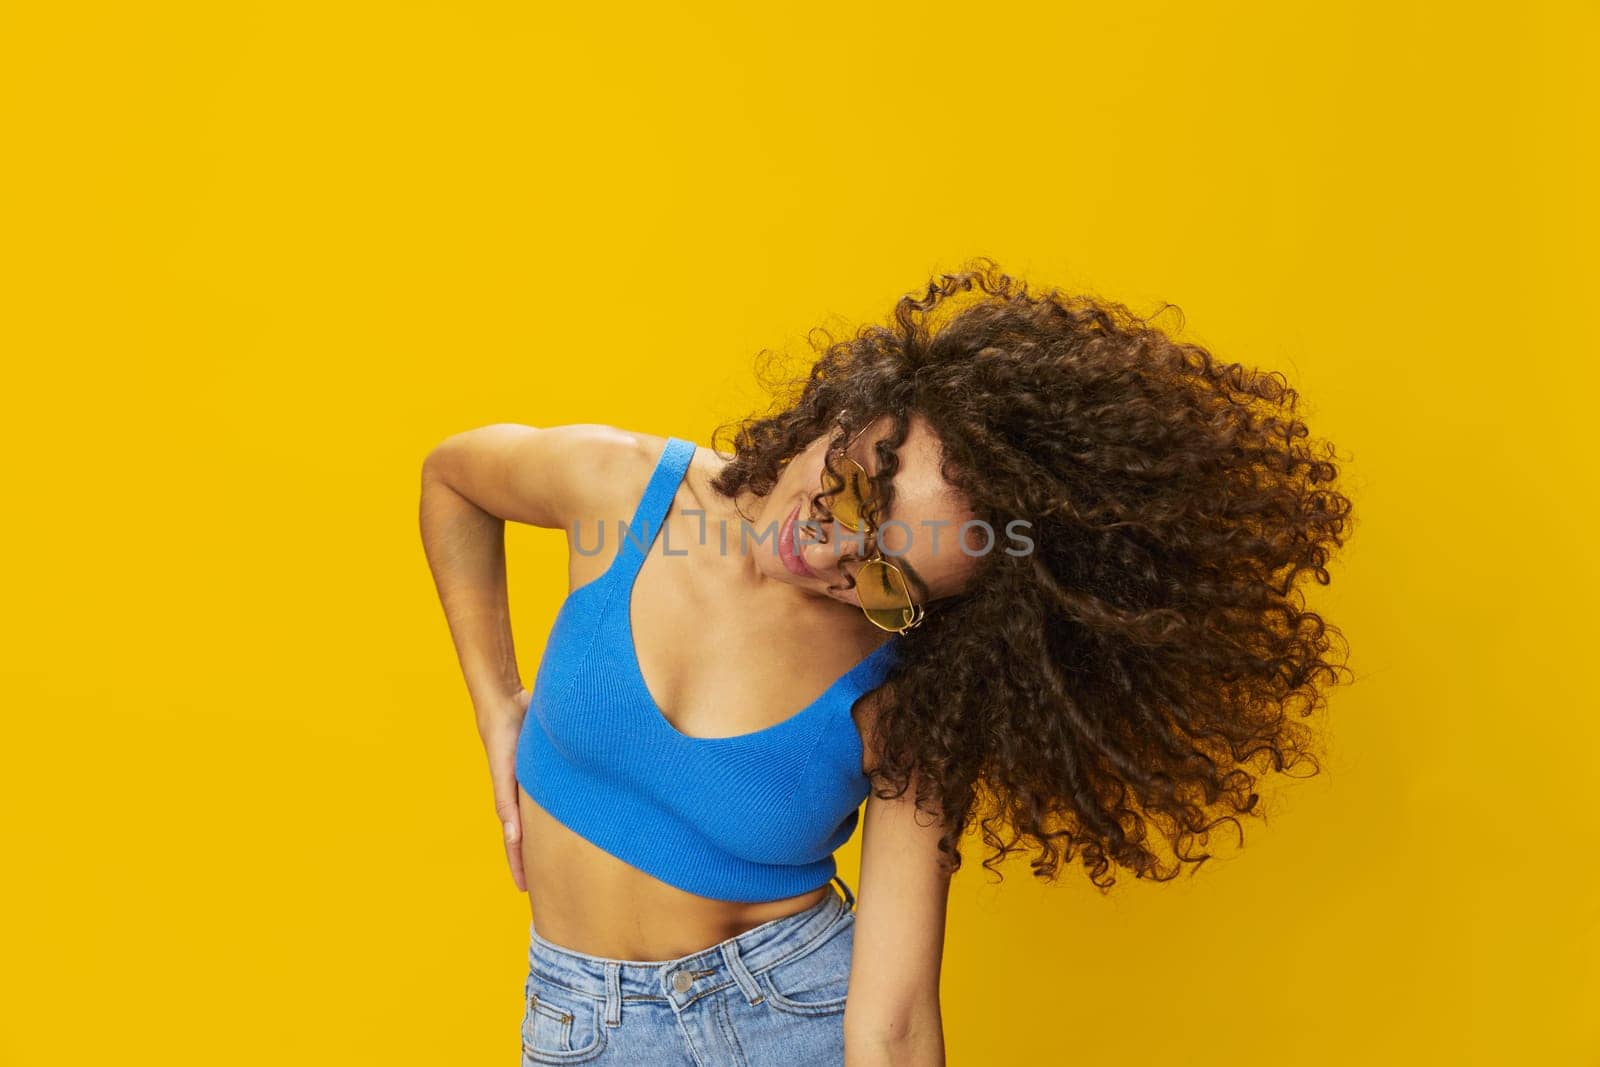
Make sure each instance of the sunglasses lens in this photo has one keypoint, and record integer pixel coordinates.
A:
(884, 597)
(849, 502)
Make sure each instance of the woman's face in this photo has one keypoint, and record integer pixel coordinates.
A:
(925, 548)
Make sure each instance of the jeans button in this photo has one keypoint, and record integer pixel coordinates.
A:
(682, 980)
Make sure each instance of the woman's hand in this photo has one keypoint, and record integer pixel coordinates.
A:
(499, 726)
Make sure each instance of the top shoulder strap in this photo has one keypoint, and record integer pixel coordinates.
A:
(657, 500)
(871, 671)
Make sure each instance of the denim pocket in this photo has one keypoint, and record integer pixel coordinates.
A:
(816, 978)
(559, 1026)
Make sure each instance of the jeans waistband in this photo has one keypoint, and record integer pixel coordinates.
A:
(687, 978)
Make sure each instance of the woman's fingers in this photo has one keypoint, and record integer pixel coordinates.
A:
(503, 771)
(500, 744)
(511, 826)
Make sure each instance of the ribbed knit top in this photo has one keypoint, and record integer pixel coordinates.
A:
(751, 817)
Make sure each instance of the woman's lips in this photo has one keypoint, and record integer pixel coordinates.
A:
(787, 550)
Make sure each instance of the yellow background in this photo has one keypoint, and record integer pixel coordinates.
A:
(260, 257)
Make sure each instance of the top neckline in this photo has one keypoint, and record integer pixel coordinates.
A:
(624, 593)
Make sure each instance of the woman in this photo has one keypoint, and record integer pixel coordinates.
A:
(1031, 571)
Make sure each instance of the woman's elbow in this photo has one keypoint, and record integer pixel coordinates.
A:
(910, 1038)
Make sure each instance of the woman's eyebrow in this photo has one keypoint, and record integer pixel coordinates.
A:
(913, 577)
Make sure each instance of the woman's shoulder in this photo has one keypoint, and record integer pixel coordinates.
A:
(605, 467)
(625, 460)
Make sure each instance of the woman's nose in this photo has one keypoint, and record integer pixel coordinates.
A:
(824, 546)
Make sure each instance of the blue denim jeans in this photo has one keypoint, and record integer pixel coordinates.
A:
(773, 995)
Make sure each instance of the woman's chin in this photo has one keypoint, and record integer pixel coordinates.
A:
(777, 571)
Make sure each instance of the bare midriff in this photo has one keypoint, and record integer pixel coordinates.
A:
(585, 899)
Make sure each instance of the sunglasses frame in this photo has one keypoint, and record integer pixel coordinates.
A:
(917, 610)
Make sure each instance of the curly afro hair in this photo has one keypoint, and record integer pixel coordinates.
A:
(1136, 670)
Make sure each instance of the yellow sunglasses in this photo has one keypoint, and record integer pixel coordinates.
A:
(881, 586)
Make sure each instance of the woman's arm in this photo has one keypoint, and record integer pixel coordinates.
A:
(472, 484)
(892, 1011)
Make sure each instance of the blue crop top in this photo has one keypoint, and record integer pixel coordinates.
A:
(751, 817)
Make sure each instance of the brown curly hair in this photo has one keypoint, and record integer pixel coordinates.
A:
(1137, 668)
